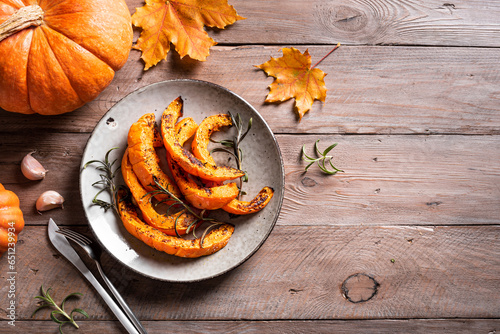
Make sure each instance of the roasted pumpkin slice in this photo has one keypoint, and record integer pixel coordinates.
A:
(214, 241)
(168, 224)
(209, 125)
(200, 197)
(185, 129)
(157, 139)
(204, 198)
(238, 207)
(183, 157)
(144, 159)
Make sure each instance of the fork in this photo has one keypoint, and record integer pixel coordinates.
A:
(94, 251)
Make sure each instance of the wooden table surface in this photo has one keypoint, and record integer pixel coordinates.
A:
(406, 240)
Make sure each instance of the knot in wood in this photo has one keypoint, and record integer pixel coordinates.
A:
(308, 182)
(359, 288)
(348, 19)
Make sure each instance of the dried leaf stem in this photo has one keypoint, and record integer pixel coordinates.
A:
(335, 48)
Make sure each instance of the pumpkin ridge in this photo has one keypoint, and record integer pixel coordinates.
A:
(15, 96)
(62, 33)
(76, 84)
(11, 5)
(27, 69)
(42, 33)
(14, 4)
(62, 67)
(69, 16)
(88, 12)
(52, 5)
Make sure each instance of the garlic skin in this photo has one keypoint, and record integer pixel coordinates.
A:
(31, 168)
(49, 200)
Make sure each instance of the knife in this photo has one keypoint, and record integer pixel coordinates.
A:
(64, 247)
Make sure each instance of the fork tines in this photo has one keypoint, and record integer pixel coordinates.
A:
(75, 236)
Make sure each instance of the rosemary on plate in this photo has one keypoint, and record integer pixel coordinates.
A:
(106, 182)
(234, 143)
(200, 217)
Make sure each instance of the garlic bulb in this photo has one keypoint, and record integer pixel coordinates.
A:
(31, 168)
(49, 200)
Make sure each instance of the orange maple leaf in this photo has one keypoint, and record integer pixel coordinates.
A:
(180, 23)
(295, 79)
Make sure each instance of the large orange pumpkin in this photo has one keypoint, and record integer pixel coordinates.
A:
(62, 54)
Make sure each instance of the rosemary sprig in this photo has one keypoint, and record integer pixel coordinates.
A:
(106, 181)
(162, 190)
(107, 184)
(59, 310)
(321, 160)
(199, 216)
(235, 142)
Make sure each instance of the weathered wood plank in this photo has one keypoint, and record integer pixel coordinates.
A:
(416, 326)
(457, 23)
(394, 180)
(61, 155)
(401, 180)
(384, 90)
(300, 273)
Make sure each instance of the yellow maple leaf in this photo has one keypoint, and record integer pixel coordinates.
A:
(182, 24)
(295, 79)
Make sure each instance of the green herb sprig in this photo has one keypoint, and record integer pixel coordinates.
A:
(321, 159)
(177, 201)
(235, 142)
(107, 184)
(59, 310)
(106, 181)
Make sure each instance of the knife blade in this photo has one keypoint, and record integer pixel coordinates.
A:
(65, 248)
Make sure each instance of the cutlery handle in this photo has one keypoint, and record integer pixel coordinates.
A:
(115, 308)
(121, 301)
(63, 246)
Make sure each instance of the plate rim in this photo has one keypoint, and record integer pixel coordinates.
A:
(281, 191)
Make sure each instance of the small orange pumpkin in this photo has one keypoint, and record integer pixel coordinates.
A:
(11, 219)
(57, 55)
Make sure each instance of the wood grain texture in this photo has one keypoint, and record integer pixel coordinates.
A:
(440, 272)
(398, 180)
(406, 240)
(409, 22)
(415, 326)
(418, 180)
(371, 90)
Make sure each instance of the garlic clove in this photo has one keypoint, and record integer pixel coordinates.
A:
(49, 200)
(31, 168)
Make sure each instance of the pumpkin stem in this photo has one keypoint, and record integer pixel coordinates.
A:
(23, 18)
